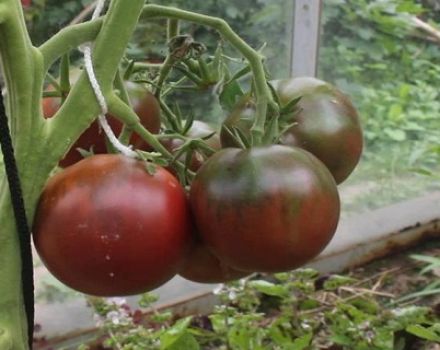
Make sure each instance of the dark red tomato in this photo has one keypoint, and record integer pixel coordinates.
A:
(198, 130)
(26, 3)
(265, 209)
(327, 124)
(105, 226)
(144, 104)
(204, 267)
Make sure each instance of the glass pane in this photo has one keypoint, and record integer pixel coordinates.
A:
(377, 53)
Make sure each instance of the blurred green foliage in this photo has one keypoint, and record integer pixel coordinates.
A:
(388, 66)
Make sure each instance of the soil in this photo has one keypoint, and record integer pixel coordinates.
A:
(398, 275)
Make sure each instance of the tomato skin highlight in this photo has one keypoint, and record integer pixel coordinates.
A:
(106, 227)
(265, 209)
(327, 124)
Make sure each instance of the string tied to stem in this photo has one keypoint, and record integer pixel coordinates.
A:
(88, 63)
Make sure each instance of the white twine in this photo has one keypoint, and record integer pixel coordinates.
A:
(87, 50)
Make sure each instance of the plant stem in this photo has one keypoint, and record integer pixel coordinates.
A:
(262, 92)
(126, 132)
(21, 66)
(163, 74)
(116, 31)
(173, 28)
(68, 39)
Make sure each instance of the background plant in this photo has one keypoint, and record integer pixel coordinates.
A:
(300, 310)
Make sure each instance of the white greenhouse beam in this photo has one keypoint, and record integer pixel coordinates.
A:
(305, 38)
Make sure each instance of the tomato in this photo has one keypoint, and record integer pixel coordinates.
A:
(265, 209)
(144, 104)
(204, 267)
(198, 130)
(105, 226)
(327, 124)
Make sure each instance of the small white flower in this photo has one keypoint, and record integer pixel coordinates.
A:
(114, 317)
(117, 301)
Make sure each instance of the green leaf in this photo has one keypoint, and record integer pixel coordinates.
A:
(230, 95)
(186, 342)
(268, 288)
(423, 333)
(171, 335)
(302, 343)
(396, 112)
(336, 281)
(395, 134)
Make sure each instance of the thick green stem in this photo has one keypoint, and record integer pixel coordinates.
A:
(163, 74)
(13, 327)
(13, 324)
(126, 132)
(123, 112)
(67, 125)
(68, 39)
(262, 91)
(173, 28)
(21, 66)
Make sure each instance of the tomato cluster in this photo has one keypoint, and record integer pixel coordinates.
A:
(109, 225)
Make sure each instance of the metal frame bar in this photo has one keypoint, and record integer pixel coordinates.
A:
(305, 38)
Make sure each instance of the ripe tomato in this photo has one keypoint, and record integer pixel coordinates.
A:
(327, 124)
(204, 267)
(198, 130)
(265, 209)
(144, 104)
(105, 226)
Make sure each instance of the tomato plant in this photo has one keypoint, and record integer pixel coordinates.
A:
(198, 130)
(93, 138)
(326, 124)
(105, 226)
(267, 209)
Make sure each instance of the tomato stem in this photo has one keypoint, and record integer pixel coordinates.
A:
(64, 77)
(113, 37)
(173, 28)
(124, 113)
(126, 132)
(262, 92)
(163, 74)
(68, 38)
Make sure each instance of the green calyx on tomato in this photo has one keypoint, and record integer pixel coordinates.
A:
(105, 226)
(236, 128)
(199, 131)
(265, 209)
